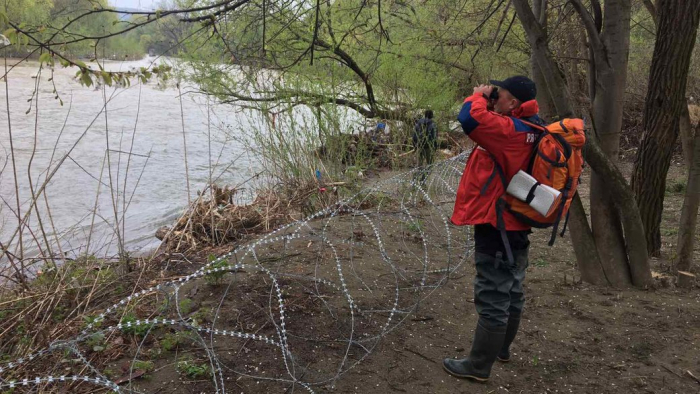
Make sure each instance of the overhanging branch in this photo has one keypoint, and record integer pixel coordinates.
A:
(591, 28)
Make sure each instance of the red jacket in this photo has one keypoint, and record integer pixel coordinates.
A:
(505, 139)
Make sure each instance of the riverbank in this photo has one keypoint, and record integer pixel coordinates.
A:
(368, 296)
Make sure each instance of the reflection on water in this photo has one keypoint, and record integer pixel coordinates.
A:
(149, 183)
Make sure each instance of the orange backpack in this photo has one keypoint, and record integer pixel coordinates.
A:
(557, 161)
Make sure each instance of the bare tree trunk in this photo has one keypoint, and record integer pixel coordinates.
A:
(581, 236)
(553, 80)
(544, 96)
(651, 7)
(689, 215)
(610, 84)
(584, 245)
(686, 131)
(676, 32)
(611, 50)
(622, 253)
(634, 241)
(605, 221)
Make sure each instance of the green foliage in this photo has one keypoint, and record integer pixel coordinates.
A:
(414, 226)
(45, 19)
(193, 370)
(676, 187)
(171, 341)
(139, 330)
(540, 262)
(355, 172)
(111, 373)
(426, 56)
(80, 275)
(201, 316)
(96, 342)
(185, 306)
(216, 278)
(146, 366)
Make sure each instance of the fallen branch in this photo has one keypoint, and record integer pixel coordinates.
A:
(692, 376)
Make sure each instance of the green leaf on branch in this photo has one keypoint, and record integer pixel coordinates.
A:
(107, 78)
(45, 58)
(22, 39)
(10, 34)
(86, 79)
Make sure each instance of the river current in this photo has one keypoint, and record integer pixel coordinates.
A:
(143, 176)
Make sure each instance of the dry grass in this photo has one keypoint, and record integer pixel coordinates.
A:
(215, 219)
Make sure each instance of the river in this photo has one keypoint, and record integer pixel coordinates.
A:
(150, 194)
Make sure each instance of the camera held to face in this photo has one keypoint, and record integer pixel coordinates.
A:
(494, 94)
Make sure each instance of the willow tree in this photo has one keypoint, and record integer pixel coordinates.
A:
(380, 59)
(384, 59)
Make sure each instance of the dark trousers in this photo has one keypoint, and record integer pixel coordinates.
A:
(498, 286)
(426, 155)
(426, 151)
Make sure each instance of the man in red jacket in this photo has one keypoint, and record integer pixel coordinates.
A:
(504, 146)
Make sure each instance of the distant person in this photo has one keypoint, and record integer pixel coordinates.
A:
(425, 142)
(377, 131)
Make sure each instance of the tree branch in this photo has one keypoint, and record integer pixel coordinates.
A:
(591, 28)
(295, 98)
(649, 4)
(538, 41)
(352, 64)
(152, 16)
(597, 15)
(230, 7)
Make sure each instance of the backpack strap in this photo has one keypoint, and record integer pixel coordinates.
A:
(488, 182)
(554, 163)
(566, 222)
(501, 225)
(564, 144)
(497, 170)
(560, 212)
(531, 193)
(533, 125)
(500, 208)
(562, 205)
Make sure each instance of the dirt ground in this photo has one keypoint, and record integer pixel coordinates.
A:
(574, 337)
(372, 300)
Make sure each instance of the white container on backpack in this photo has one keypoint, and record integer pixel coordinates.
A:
(545, 199)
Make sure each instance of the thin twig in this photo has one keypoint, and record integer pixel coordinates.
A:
(184, 144)
(19, 270)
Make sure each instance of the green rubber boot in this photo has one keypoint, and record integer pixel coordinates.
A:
(477, 366)
(511, 331)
